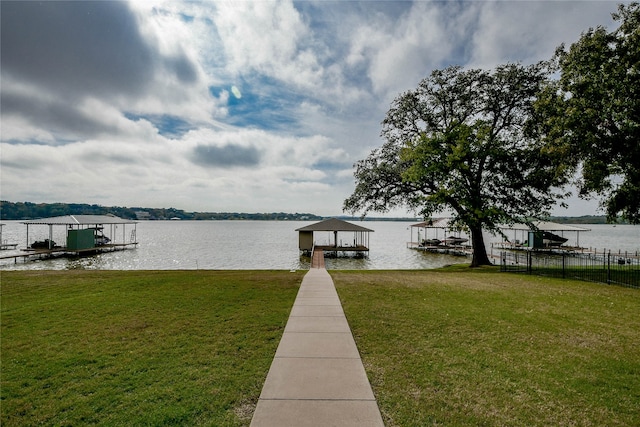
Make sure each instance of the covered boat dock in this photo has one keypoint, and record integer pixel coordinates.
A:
(80, 234)
(441, 236)
(333, 235)
(541, 235)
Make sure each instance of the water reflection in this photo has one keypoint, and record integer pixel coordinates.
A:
(232, 245)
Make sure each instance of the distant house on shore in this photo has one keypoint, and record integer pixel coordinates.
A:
(142, 215)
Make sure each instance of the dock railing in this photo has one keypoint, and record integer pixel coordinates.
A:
(621, 269)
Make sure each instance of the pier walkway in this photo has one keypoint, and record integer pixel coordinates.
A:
(317, 377)
(317, 259)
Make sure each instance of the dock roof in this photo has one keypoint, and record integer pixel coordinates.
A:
(545, 226)
(435, 223)
(333, 224)
(539, 225)
(80, 220)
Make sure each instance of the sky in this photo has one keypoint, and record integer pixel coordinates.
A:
(236, 106)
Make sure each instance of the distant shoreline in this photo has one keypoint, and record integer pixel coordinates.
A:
(21, 211)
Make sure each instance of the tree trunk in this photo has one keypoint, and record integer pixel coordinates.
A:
(480, 256)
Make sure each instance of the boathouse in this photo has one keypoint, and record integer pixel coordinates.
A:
(440, 235)
(541, 234)
(77, 234)
(334, 235)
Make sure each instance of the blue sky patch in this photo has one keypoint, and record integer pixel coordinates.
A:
(263, 105)
(167, 125)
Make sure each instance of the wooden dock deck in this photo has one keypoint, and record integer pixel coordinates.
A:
(63, 251)
(458, 250)
(562, 250)
(317, 259)
(333, 248)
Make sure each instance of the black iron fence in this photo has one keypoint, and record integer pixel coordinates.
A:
(606, 267)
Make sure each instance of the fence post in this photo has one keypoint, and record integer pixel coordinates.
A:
(609, 268)
(529, 269)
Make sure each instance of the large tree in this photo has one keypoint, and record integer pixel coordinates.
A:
(462, 143)
(595, 112)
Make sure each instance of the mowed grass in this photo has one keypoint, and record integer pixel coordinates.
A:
(139, 348)
(456, 347)
(450, 347)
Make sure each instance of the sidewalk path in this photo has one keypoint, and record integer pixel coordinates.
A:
(317, 377)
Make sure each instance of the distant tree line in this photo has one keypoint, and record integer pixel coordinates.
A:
(586, 219)
(29, 210)
(10, 211)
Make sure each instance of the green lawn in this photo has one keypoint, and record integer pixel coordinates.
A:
(451, 347)
(139, 348)
(470, 348)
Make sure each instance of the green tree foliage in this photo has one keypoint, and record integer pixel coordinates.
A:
(462, 142)
(594, 113)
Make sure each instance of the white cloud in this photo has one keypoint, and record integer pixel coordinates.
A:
(243, 28)
(100, 54)
(18, 128)
(513, 31)
(399, 53)
(85, 107)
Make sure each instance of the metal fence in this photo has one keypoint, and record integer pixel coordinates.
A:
(619, 269)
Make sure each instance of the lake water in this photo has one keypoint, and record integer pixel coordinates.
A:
(239, 245)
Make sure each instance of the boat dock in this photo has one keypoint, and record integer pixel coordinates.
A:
(561, 250)
(439, 235)
(82, 235)
(457, 250)
(28, 254)
(341, 237)
(4, 246)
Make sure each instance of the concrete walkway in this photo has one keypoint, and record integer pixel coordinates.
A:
(317, 377)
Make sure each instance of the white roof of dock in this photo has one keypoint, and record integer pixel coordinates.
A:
(80, 220)
(545, 226)
(539, 225)
(435, 223)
